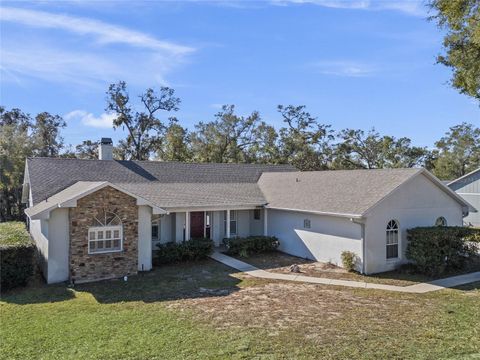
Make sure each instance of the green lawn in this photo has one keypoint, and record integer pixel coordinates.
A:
(207, 311)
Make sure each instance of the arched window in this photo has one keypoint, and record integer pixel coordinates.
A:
(441, 221)
(392, 239)
(106, 233)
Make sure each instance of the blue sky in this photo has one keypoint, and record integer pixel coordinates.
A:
(356, 64)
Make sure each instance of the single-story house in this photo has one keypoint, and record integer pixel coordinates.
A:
(468, 187)
(100, 219)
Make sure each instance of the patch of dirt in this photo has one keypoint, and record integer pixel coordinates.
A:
(280, 306)
(278, 262)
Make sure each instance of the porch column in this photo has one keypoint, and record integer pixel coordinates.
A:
(187, 225)
(265, 222)
(227, 222)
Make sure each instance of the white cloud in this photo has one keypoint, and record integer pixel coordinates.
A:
(105, 120)
(75, 59)
(103, 32)
(344, 68)
(409, 7)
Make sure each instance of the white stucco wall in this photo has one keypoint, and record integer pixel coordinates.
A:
(58, 236)
(39, 233)
(144, 238)
(324, 241)
(256, 226)
(52, 240)
(217, 227)
(468, 188)
(165, 228)
(243, 223)
(418, 202)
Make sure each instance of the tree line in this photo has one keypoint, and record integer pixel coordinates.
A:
(154, 133)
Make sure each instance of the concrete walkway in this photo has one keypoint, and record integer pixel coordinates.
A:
(417, 288)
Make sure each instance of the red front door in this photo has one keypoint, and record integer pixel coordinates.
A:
(197, 224)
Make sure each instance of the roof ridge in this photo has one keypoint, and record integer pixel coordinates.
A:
(349, 170)
(164, 162)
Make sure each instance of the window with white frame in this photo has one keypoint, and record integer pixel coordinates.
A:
(104, 239)
(441, 221)
(106, 233)
(155, 231)
(233, 222)
(392, 233)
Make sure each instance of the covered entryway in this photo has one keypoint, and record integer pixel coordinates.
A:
(197, 224)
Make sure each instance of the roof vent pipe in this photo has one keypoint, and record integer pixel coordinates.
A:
(105, 151)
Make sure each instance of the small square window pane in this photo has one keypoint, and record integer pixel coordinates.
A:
(100, 235)
(91, 245)
(100, 245)
(116, 244)
(116, 234)
(92, 235)
(108, 244)
(108, 234)
(306, 224)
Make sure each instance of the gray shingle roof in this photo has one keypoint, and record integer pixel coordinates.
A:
(171, 184)
(348, 192)
(181, 195)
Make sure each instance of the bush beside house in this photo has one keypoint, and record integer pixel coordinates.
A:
(191, 250)
(349, 260)
(436, 250)
(250, 245)
(17, 253)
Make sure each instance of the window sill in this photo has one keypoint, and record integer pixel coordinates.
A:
(105, 252)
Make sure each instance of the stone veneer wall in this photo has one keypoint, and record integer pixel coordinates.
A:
(88, 267)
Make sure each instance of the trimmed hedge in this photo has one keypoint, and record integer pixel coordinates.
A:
(17, 253)
(250, 245)
(435, 250)
(191, 250)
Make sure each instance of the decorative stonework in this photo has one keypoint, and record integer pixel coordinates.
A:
(88, 267)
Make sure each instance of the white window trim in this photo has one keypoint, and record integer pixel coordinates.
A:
(105, 228)
(234, 218)
(398, 243)
(158, 224)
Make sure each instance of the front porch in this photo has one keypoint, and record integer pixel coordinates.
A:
(185, 224)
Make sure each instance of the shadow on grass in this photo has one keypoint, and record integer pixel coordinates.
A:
(475, 286)
(38, 293)
(171, 282)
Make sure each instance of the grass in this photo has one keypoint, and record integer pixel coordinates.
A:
(207, 311)
(13, 233)
(280, 262)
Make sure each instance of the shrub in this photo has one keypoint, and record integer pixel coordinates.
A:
(16, 255)
(435, 250)
(191, 250)
(349, 260)
(250, 245)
